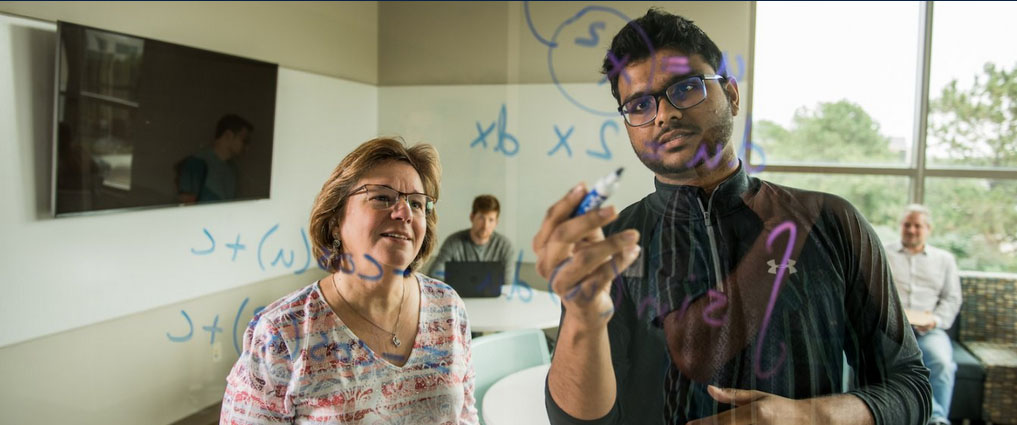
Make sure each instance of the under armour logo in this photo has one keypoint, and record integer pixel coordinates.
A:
(773, 266)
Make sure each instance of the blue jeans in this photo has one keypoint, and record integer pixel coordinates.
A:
(937, 352)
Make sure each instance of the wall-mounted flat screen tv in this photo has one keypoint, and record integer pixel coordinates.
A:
(144, 123)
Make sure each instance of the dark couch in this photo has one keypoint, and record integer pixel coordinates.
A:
(970, 380)
(988, 332)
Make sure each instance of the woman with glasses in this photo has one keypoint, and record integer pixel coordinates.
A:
(374, 342)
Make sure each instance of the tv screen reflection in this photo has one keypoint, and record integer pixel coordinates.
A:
(144, 123)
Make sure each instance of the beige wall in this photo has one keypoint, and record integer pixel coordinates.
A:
(333, 39)
(392, 43)
(126, 371)
(431, 43)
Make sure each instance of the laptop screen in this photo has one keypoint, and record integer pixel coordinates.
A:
(475, 279)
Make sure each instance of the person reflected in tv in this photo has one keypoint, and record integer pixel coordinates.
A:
(211, 174)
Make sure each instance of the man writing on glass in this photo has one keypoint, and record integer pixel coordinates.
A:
(719, 298)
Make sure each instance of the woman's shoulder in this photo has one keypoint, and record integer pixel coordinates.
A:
(300, 305)
(435, 288)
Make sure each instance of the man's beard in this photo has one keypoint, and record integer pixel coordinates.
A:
(712, 142)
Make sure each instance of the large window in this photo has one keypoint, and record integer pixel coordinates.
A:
(896, 103)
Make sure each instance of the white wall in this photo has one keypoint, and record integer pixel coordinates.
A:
(110, 265)
(318, 37)
(90, 302)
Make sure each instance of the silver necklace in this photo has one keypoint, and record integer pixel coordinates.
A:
(395, 339)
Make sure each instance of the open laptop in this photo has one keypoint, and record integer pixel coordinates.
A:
(475, 279)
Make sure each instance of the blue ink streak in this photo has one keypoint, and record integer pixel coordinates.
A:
(349, 260)
(307, 248)
(376, 277)
(320, 345)
(606, 155)
(529, 22)
(594, 37)
(517, 283)
(482, 135)
(236, 247)
(236, 324)
(553, 44)
(282, 256)
(263, 238)
(562, 141)
(504, 135)
(213, 329)
(189, 332)
(207, 251)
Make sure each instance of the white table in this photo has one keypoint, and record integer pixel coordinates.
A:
(517, 399)
(516, 308)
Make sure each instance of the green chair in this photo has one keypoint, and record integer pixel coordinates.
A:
(499, 355)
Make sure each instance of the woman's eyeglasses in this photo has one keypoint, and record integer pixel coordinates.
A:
(382, 197)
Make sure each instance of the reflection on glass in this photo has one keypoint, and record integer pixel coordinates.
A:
(99, 108)
(976, 220)
(145, 123)
(879, 198)
(837, 110)
(973, 86)
(211, 174)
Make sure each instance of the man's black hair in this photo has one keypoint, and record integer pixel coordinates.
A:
(662, 30)
(232, 122)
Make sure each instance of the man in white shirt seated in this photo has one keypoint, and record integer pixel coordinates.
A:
(478, 243)
(929, 288)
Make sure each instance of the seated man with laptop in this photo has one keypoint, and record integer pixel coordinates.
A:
(478, 260)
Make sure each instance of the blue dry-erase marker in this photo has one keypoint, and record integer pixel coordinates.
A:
(601, 190)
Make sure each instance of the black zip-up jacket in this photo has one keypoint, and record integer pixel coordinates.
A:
(708, 276)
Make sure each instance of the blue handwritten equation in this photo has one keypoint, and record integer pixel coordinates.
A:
(213, 328)
(373, 272)
(652, 148)
(262, 251)
(587, 29)
(508, 145)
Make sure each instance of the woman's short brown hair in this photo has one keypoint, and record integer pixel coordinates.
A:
(331, 201)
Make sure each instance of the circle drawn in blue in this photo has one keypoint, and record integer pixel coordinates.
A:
(554, 43)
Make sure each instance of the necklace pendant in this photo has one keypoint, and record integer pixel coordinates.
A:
(395, 340)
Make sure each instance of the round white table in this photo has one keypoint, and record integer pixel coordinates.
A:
(517, 399)
(518, 307)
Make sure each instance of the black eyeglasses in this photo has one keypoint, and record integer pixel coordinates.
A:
(382, 197)
(682, 95)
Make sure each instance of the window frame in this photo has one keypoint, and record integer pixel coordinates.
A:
(917, 170)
